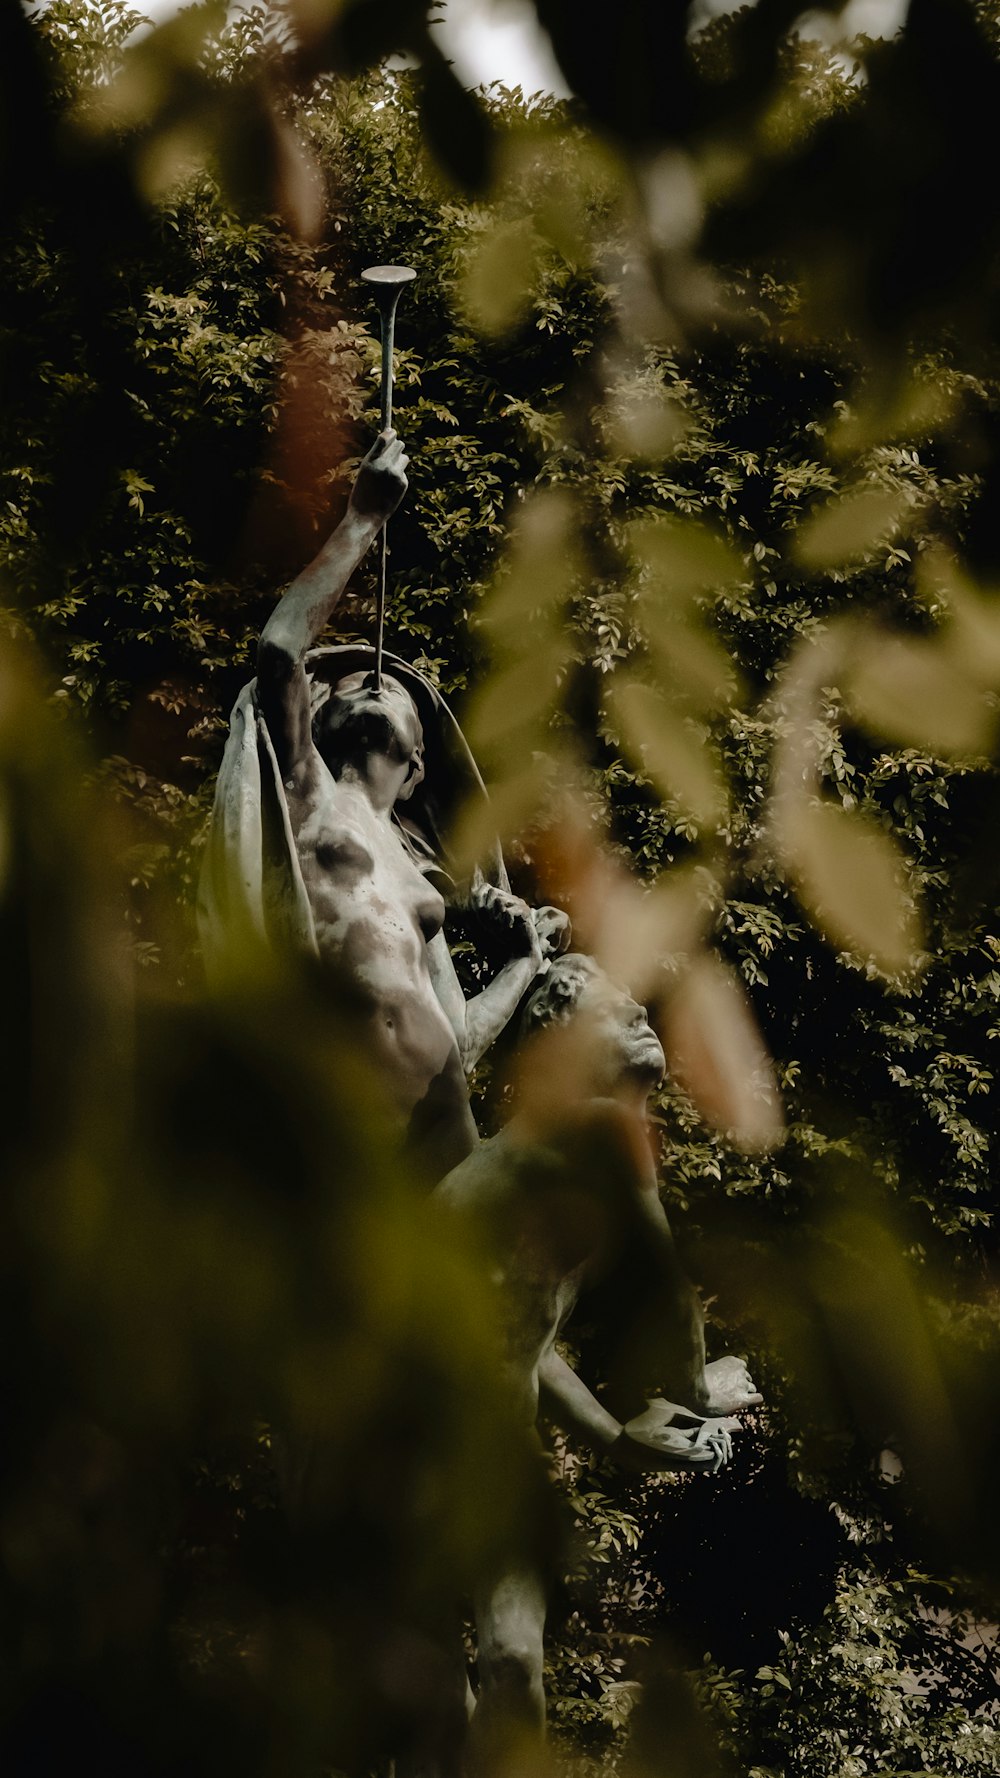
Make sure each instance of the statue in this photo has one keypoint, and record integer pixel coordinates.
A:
(311, 842)
(329, 835)
(553, 1208)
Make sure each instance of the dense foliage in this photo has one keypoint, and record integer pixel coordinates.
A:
(677, 545)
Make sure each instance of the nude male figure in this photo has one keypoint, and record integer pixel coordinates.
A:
(374, 912)
(552, 1208)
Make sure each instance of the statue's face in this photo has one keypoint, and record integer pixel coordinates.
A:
(620, 1042)
(357, 714)
(624, 1042)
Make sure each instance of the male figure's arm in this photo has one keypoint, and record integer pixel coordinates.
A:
(478, 1022)
(565, 1399)
(531, 934)
(309, 603)
(676, 1314)
(646, 1297)
(660, 1439)
(666, 1338)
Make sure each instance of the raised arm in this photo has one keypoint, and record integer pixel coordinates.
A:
(309, 603)
(533, 934)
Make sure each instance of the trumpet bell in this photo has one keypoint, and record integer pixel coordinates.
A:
(391, 275)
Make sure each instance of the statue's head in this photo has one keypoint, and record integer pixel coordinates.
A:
(621, 1041)
(358, 717)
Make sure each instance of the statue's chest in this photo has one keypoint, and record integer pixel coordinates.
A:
(358, 867)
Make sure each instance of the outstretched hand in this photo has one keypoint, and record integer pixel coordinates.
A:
(668, 1437)
(730, 1387)
(509, 916)
(381, 480)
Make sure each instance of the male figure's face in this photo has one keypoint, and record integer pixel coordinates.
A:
(622, 1041)
(621, 1046)
(358, 716)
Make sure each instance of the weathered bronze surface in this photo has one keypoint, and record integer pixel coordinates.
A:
(387, 283)
(311, 844)
(556, 1204)
(329, 833)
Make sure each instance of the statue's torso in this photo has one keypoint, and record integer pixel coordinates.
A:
(374, 915)
(536, 1273)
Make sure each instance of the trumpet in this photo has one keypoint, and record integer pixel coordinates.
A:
(387, 283)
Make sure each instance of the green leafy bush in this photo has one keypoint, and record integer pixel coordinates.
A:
(634, 531)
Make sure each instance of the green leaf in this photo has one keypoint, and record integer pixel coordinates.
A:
(661, 743)
(716, 1051)
(680, 558)
(914, 692)
(499, 277)
(851, 876)
(848, 528)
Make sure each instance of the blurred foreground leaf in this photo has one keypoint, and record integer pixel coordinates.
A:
(661, 743)
(499, 276)
(848, 528)
(716, 1050)
(851, 877)
(915, 693)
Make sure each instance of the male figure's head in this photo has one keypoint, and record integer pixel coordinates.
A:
(622, 1051)
(359, 720)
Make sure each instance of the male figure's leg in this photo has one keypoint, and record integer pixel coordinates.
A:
(509, 1719)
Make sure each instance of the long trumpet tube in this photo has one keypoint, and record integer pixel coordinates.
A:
(387, 284)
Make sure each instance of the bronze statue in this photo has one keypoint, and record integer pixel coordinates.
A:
(553, 1207)
(311, 843)
(329, 834)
